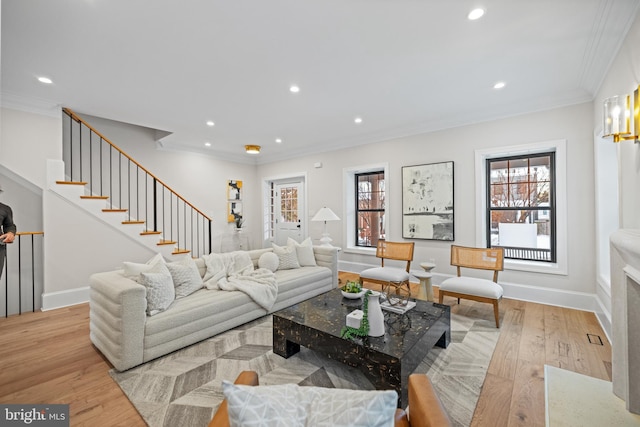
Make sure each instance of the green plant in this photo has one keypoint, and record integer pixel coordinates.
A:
(352, 287)
(348, 332)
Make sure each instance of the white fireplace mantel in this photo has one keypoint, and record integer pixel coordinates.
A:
(625, 316)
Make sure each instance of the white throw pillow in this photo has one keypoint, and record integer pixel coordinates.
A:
(292, 405)
(287, 256)
(132, 270)
(263, 405)
(186, 277)
(304, 251)
(160, 291)
(269, 260)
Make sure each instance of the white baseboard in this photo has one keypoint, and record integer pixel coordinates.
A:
(569, 299)
(53, 300)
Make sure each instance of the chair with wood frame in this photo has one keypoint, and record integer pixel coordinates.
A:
(481, 290)
(394, 280)
(425, 406)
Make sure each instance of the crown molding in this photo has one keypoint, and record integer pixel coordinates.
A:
(39, 106)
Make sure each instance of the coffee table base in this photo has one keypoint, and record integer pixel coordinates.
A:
(385, 372)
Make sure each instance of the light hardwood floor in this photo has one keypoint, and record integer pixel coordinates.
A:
(47, 358)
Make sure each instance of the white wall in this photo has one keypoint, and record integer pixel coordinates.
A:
(623, 77)
(27, 141)
(616, 165)
(199, 178)
(574, 123)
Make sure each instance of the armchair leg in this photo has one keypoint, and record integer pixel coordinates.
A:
(496, 313)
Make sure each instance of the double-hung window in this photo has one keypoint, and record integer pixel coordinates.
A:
(370, 208)
(521, 206)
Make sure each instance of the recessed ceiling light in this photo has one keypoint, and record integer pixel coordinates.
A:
(278, 140)
(207, 144)
(210, 123)
(294, 89)
(358, 120)
(475, 14)
(499, 85)
(45, 80)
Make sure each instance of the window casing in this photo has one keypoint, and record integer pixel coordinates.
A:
(370, 208)
(521, 206)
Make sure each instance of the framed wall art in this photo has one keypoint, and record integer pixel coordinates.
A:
(234, 211)
(234, 201)
(427, 201)
(234, 190)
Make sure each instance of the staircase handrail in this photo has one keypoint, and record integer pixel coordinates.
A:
(81, 120)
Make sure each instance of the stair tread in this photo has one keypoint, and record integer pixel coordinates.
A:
(71, 182)
(147, 232)
(95, 197)
(180, 251)
(133, 222)
(166, 242)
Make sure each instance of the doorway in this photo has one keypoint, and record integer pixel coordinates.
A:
(285, 210)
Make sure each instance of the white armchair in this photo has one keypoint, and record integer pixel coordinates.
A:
(481, 290)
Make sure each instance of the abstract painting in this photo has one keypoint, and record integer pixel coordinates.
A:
(427, 201)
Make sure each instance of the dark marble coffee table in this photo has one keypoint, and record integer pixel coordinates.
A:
(387, 361)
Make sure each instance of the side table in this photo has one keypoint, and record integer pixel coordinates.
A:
(426, 290)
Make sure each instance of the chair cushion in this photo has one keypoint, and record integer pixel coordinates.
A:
(472, 286)
(386, 274)
(293, 405)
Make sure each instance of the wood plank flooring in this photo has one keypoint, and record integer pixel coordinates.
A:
(48, 358)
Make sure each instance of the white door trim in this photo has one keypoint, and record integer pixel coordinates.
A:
(280, 179)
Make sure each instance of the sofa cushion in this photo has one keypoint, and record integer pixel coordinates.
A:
(293, 405)
(304, 251)
(269, 260)
(185, 275)
(160, 291)
(132, 270)
(287, 255)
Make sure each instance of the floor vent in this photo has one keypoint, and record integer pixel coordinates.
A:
(595, 339)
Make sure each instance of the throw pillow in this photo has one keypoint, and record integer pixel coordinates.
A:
(160, 291)
(350, 408)
(186, 277)
(263, 405)
(304, 250)
(287, 256)
(132, 270)
(292, 405)
(269, 260)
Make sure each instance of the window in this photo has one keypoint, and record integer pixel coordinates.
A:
(370, 208)
(521, 211)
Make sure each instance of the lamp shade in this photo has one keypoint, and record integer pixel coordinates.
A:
(325, 214)
(616, 116)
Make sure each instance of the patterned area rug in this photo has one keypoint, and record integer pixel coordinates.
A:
(185, 387)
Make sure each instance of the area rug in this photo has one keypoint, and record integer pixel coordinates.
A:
(185, 387)
(573, 399)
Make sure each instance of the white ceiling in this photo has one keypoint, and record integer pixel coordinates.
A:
(404, 66)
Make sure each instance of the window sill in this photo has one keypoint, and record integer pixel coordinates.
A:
(535, 267)
(360, 250)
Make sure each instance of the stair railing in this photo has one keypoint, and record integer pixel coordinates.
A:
(23, 273)
(113, 175)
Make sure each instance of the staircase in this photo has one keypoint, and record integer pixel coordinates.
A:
(102, 179)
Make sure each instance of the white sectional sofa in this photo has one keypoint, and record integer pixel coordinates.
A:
(121, 329)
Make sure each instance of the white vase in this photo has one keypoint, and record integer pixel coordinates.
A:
(374, 315)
